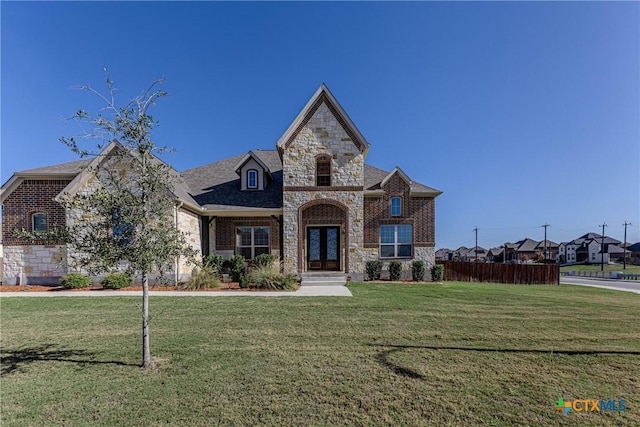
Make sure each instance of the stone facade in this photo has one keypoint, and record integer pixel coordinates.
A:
(189, 223)
(322, 135)
(34, 264)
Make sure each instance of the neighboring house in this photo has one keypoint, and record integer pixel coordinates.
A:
(473, 254)
(313, 202)
(588, 249)
(496, 254)
(526, 249)
(634, 253)
(444, 254)
(550, 247)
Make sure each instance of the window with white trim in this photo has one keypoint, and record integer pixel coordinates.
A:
(252, 241)
(396, 206)
(396, 241)
(252, 179)
(39, 222)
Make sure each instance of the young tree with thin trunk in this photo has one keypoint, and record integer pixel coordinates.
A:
(122, 217)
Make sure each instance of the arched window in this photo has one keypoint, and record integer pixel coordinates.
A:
(39, 222)
(323, 171)
(252, 178)
(396, 206)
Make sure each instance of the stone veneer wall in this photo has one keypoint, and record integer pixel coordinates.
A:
(323, 134)
(189, 223)
(34, 264)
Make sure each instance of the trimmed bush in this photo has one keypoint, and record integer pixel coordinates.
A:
(236, 267)
(417, 270)
(395, 270)
(203, 278)
(437, 272)
(270, 277)
(264, 260)
(214, 262)
(75, 281)
(117, 281)
(374, 269)
(243, 281)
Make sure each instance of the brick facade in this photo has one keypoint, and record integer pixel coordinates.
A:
(32, 196)
(225, 231)
(417, 211)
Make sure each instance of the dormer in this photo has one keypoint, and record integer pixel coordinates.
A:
(254, 173)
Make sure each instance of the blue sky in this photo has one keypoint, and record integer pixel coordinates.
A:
(521, 113)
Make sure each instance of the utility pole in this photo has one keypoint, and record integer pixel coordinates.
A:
(624, 247)
(602, 247)
(545, 241)
(476, 247)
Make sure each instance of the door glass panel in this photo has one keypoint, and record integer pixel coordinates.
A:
(332, 244)
(314, 244)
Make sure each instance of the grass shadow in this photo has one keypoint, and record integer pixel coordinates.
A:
(12, 360)
(383, 357)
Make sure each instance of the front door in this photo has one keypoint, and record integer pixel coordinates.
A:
(323, 248)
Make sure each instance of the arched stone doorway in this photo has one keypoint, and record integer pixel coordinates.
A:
(323, 241)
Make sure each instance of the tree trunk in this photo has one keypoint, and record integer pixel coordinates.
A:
(146, 350)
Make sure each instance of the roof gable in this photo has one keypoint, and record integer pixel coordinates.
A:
(322, 96)
(400, 173)
(251, 155)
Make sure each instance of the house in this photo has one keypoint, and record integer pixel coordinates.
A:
(548, 248)
(496, 254)
(444, 254)
(313, 201)
(588, 249)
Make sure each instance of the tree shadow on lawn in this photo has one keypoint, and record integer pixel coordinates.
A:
(16, 360)
(383, 356)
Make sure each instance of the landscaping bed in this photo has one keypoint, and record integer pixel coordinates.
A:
(233, 286)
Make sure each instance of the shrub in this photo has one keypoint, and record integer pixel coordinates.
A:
(374, 269)
(203, 278)
(263, 260)
(214, 262)
(270, 277)
(395, 270)
(437, 272)
(243, 281)
(236, 267)
(417, 270)
(117, 281)
(75, 281)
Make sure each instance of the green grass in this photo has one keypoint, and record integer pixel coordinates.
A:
(410, 354)
(631, 269)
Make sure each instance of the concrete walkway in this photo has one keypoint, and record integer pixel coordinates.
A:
(303, 291)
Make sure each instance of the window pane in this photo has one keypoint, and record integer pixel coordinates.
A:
(404, 234)
(261, 250)
(245, 236)
(39, 222)
(261, 236)
(404, 250)
(387, 234)
(396, 206)
(245, 252)
(387, 251)
(252, 177)
(324, 181)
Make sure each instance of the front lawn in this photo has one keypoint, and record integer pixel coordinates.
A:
(394, 354)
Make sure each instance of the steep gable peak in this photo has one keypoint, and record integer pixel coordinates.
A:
(322, 96)
(395, 171)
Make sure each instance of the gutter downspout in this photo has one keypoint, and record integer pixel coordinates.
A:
(176, 269)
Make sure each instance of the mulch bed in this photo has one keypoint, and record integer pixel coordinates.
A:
(234, 286)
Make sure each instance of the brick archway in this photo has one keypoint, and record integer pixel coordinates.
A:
(323, 212)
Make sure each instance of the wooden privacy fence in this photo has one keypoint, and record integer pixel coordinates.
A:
(520, 274)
